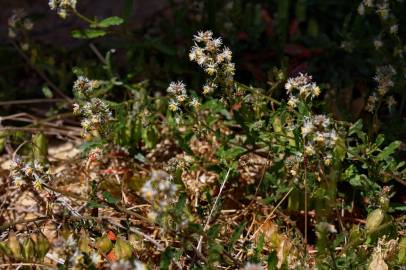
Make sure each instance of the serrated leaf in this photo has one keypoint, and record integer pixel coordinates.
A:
(388, 150)
(111, 21)
(88, 33)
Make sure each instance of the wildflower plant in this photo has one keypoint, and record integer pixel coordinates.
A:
(224, 176)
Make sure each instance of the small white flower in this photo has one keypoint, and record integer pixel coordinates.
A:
(173, 105)
(53, 4)
(307, 128)
(177, 88)
(28, 24)
(361, 9)
(293, 101)
(309, 150)
(211, 68)
(96, 258)
(368, 3)
(394, 29)
(195, 103)
(391, 102)
(378, 44)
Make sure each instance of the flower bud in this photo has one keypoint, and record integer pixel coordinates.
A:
(374, 219)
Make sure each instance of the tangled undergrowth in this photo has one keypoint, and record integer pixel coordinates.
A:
(222, 177)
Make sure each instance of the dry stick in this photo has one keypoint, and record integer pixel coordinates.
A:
(97, 53)
(273, 211)
(31, 101)
(147, 237)
(199, 245)
(48, 266)
(23, 221)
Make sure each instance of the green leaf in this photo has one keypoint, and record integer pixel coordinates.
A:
(340, 149)
(236, 234)
(232, 153)
(356, 127)
(402, 251)
(111, 21)
(388, 150)
(93, 204)
(47, 92)
(109, 198)
(180, 205)
(88, 33)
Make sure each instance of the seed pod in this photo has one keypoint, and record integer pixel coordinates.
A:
(122, 249)
(14, 245)
(42, 246)
(28, 249)
(104, 244)
(40, 147)
(374, 219)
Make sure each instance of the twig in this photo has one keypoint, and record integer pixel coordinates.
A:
(147, 237)
(31, 101)
(49, 266)
(23, 221)
(199, 245)
(273, 211)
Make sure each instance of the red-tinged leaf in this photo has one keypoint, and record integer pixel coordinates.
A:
(111, 235)
(236, 106)
(111, 256)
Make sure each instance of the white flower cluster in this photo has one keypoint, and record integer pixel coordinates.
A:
(95, 112)
(96, 115)
(320, 137)
(177, 90)
(214, 59)
(383, 77)
(19, 22)
(62, 7)
(301, 88)
(30, 172)
(381, 8)
(84, 86)
(160, 191)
